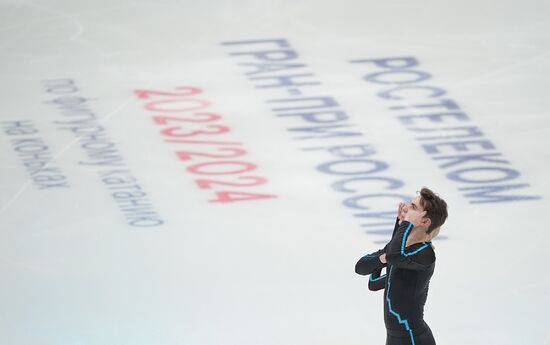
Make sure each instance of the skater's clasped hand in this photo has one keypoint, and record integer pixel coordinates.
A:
(401, 211)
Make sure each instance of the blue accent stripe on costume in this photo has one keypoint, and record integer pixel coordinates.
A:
(404, 322)
(416, 251)
(376, 279)
(405, 241)
(405, 238)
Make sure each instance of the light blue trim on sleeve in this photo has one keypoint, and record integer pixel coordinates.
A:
(376, 279)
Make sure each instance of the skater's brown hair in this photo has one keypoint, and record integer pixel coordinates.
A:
(435, 207)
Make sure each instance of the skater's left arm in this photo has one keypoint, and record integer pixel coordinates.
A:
(370, 263)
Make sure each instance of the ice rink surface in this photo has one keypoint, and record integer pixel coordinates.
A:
(209, 172)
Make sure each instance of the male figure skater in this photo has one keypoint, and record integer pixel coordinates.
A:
(409, 259)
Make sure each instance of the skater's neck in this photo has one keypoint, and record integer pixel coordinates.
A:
(417, 235)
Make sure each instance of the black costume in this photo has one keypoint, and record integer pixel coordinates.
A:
(405, 285)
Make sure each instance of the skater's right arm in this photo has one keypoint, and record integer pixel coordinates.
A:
(395, 227)
(371, 262)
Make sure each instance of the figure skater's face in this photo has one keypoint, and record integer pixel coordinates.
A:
(415, 204)
(416, 209)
